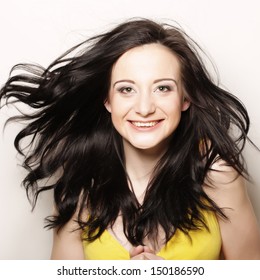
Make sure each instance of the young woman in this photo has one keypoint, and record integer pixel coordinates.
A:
(139, 145)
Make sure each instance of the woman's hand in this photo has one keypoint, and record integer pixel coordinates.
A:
(143, 253)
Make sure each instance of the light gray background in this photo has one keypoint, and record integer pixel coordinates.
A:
(39, 31)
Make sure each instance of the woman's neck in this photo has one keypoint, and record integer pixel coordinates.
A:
(140, 165)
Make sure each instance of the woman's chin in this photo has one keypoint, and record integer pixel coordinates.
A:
(148, 148)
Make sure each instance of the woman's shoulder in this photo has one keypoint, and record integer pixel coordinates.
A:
(240, 231)
(225, 185)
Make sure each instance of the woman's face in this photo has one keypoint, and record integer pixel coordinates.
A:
(145, 97)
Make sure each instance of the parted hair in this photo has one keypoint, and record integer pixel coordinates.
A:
(70, 133)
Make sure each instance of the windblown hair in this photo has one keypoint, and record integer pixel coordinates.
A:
(71, 133)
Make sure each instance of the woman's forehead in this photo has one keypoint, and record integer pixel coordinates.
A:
(151, 60)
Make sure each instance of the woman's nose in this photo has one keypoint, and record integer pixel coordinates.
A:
(145, 104)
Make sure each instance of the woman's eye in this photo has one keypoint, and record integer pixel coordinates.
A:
(126, 90)
(164, 88)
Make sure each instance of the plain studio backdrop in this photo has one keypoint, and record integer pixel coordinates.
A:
(39, 31)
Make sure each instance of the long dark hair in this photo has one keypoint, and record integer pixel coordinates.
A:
(71, 134)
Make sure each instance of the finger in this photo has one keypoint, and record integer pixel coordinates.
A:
(147, 256)
(136, 251)
(150, 256)
(139, 257)
(148, 250)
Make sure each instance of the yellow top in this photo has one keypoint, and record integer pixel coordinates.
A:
(202, 244)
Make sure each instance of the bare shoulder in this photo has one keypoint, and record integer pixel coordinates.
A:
(224, 185)
(240, 232)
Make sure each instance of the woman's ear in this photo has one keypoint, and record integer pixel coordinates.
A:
(107, 105)
(185, 104)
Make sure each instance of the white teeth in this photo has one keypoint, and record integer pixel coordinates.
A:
(144, 124)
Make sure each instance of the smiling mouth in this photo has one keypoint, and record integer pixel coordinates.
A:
(145, 124)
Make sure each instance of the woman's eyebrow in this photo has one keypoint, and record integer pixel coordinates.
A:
(165, 79)
(123, 81)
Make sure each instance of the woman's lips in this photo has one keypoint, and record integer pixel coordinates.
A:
(146, 124)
